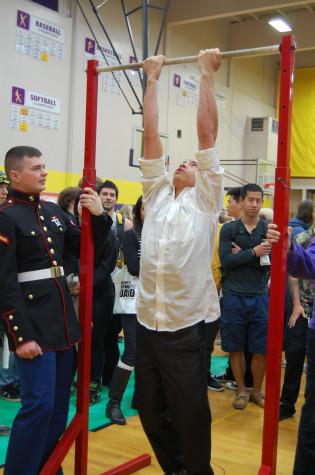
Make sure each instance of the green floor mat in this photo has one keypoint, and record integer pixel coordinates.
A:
(97, 419)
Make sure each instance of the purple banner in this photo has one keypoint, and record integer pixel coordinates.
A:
(23, 20)
(18, 95)
(89, 46)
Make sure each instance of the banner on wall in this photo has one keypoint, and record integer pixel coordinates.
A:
(34, 109)
(303, 120)
(38, 38)
(187, 91)
(109, 85)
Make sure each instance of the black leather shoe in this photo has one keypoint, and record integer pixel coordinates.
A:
(113, 412)
(285, 412)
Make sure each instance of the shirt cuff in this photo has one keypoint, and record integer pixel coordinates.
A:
(207, 158)
(151, 168)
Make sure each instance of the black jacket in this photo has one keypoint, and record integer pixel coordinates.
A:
(131, 247)
(33, 236)
(104, 265)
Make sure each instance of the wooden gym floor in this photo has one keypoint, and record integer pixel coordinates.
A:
(236, 441)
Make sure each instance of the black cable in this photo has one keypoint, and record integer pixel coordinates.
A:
(122, 2)
(235, 178)
(105, 59)
(162, 27)
(114, 50)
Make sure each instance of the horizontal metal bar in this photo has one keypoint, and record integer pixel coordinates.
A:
(156, 7)
(134, 10)
(193, 59)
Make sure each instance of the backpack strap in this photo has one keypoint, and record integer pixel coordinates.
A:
(120, 229)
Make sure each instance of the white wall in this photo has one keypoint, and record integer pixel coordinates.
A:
(49, 78)
(247, 88)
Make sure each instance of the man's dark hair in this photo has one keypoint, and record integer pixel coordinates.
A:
(137, 223)
(15, 156)
(108, 184)
(235, 193)
(305, 211)
(68, 196)
(251, 187)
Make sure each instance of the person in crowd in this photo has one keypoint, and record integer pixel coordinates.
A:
(4, 182)
(36, 307)
(109, 192)
(10, 382)
(235, 204)
(98, 182)
(67, 198)
(303, 294)
(176, 245)
(234, 209)
(244, 318)
(102, 309)
(266, 214)
(301, 264)
(224, 216)
(127, 212)
(295, 331)
(304, 218)
(66, 201)
(212, 327)
(132, 250)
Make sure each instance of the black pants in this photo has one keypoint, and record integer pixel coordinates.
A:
(295, 348)
(171, 387)
(305, 452)
(129, 324)
(101, 317)
(111, 348)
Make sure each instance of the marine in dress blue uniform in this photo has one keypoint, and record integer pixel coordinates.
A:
(36, 306)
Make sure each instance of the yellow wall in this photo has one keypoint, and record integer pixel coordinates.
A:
(303, 124)
(129, 191)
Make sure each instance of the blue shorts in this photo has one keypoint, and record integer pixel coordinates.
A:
(244, 322)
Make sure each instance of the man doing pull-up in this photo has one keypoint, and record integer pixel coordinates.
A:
(177, 294)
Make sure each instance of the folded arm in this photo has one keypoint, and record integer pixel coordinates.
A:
(227, 257)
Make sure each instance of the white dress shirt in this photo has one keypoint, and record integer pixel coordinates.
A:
(176, 287)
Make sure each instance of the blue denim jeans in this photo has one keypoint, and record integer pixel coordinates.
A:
(9, 376)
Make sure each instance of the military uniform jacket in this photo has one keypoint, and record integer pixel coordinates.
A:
(33, 236)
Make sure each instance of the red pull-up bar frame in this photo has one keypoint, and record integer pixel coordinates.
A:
(279, 262)
(78, 428)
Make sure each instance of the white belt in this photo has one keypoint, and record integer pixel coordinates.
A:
(51, 273)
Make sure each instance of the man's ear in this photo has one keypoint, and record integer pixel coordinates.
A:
(13, 175)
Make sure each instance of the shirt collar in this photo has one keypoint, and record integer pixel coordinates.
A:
(30, 198)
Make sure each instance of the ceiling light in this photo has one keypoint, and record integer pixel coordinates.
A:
(279, 25)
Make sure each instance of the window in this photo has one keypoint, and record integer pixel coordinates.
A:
(52, 4)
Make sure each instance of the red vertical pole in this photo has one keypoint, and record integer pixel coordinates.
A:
(86, 272)
(278, 268)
